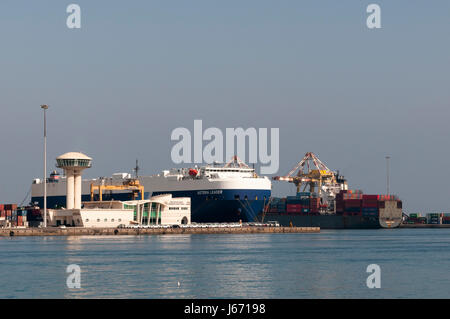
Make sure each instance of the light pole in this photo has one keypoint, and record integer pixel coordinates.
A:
(387, 173)
(45, 108)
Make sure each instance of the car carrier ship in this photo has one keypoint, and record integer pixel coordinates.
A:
(329, 204)
(229, 193)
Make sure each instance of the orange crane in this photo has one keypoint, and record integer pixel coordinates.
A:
(131, 184)
(310, 171)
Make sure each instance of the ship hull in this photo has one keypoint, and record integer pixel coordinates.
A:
(224, 206)
(207, 206)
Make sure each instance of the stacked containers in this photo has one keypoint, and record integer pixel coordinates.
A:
(388, 197)
(314, 205)
(352, 202)
(370, 205)
(293, 204)
(281, 206)
(340, 203)
(22, 217)
(272, 206)
(306, 204)
(446, 218)
(416, 219)
(434, 218)
(304, 199)
(9, 212)
(19, 216)
(352, 206)
(302, 203)
(277, 205)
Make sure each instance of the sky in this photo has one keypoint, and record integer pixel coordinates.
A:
(136, 70)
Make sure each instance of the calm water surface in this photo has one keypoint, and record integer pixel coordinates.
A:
(415, 263)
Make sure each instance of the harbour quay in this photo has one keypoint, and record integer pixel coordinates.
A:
(90, 231)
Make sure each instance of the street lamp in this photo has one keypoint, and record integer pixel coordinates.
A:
(387, 173)
(45, 108)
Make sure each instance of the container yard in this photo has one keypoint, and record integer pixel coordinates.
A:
(13, 216)
(432, 220)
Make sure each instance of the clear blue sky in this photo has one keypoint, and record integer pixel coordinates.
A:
(138, 69)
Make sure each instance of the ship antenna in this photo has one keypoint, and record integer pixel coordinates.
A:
(137, 168)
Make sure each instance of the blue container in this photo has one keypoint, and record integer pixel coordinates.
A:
(369, 209)
(370, 214)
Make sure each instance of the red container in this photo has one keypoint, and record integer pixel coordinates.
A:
(2, 207)
(371, 197)
(314, 203)
(352, 196)
(353, 203)
(370, 203)
(293, 208)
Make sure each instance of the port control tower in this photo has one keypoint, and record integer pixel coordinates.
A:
(73, 164)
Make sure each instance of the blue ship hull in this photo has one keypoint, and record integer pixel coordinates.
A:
(207, 206)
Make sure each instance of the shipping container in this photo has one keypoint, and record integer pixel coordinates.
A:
(353, 209)
(369, 203)
(352, 203)
(370, 197)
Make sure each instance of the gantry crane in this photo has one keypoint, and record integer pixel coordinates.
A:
(310, 171)
(130, 184)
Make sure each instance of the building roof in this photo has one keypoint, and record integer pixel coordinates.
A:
(74, 156)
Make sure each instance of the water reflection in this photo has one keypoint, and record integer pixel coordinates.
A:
(326, 265)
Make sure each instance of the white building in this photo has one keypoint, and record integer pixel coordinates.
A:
(162, 210)
(89, 217)
(159, 210)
